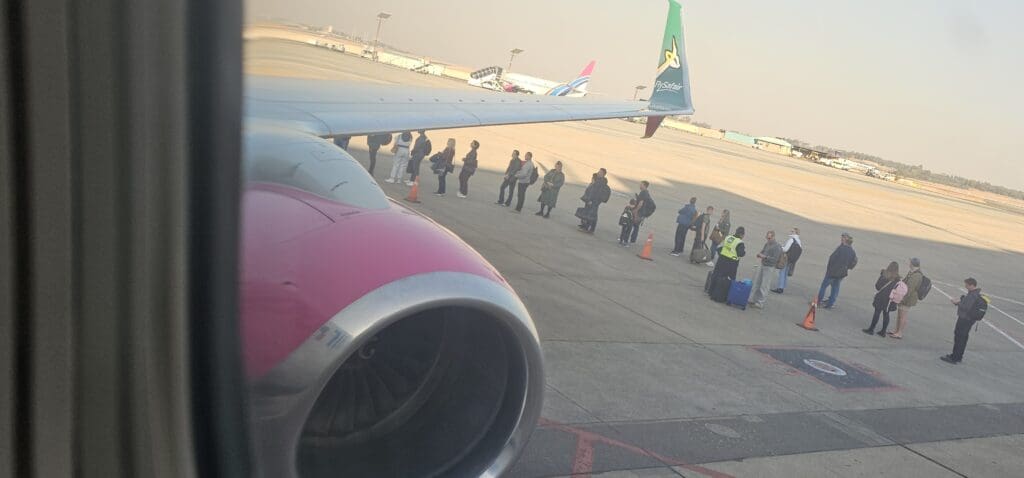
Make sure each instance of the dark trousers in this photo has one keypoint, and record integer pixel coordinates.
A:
(635, 231)
(960, 334)
(414, 168)
(587, 224)
(520, 196)
(681, 232)
(624, 235)
(880, 311)
(509, 184)
(373, 160)
(464, 184)
(441, 183)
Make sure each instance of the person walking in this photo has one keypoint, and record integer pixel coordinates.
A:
(526, 176)
(597, 192)
(729, 254)
(842, 260)
(469, 164)
(686, 215)
(400, 158)
(702, 227)
(420, 149)
(793, 248)
(723, 226)
(374, 142)
(509, 180)
(553, 182)
(885, 301)
(970, 309)
(444, 163)
(770, 255)
(644, 208)
(913, 281)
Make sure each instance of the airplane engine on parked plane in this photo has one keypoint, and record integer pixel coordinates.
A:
(377, 342)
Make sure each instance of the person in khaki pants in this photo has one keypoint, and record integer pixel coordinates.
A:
(913, 281)
(769, 256)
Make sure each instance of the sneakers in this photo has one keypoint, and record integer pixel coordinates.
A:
(869, 331)
(755, 305)
(409, 183)
(674, 254)
(463, 196)
(949, 359)
(439, 194)
(881, 333)
(710, 264)
(389, 181)
(777, 291)
(538, 214)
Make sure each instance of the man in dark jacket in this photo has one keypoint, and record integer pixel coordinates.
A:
(509, 182)
(684, 218)
(597, 193)
(970, 309)
(374, 142)
(420, 149)
(839, 264)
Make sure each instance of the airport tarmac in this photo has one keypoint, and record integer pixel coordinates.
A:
(648, 378)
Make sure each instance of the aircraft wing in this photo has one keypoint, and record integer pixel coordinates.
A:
(328, 108)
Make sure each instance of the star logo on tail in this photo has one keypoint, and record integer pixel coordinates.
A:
(671, 58)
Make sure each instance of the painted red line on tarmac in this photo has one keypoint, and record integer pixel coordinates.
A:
(583, 462)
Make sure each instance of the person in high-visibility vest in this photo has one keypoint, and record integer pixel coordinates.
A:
(729, 254)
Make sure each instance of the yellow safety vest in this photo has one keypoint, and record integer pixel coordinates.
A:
(729, 246)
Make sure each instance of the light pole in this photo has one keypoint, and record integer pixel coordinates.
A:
(376, 38)
(637, 90)
(514, 51)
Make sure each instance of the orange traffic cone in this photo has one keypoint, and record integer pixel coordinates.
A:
(645, 254)
(808, 322)
(414, 193)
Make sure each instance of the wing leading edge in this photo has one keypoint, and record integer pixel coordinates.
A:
(336, 108)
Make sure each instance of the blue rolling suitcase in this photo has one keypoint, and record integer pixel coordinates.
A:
(739, 293)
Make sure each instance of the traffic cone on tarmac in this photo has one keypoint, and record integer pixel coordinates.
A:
(808, 322)
(414, 193)
(645, 254)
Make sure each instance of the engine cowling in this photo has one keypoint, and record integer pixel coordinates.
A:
(377, 342)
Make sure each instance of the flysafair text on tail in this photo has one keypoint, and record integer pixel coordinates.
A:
(671, 92)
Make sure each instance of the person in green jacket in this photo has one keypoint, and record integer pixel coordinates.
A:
(913, 281)
(553, 182)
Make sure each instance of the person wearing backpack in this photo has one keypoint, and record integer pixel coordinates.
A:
(891, 291)
(644, 208)
(723, 227)
(970, 309)
(420, 149)
(915, 285)
(684, 218)
(793, 248)
(526, 176)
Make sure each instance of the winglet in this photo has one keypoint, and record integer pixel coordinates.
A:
(672, 86)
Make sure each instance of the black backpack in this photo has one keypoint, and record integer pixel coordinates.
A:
(648, 208)
(534, 175)
(980, 309)
(924, 288)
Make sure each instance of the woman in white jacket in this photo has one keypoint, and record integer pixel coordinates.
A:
(401, 158)
(793, 247)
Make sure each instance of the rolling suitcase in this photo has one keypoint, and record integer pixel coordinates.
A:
(739, 294)
(720, 289)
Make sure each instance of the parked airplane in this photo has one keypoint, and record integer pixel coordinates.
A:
(495, 78)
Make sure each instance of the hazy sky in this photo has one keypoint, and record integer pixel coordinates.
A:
(934, 82)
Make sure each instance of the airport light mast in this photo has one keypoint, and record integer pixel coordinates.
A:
(376, 38)
(514, 51)
(637, 89)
